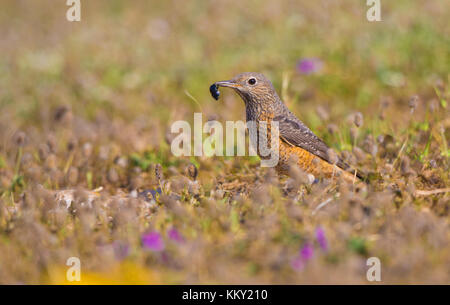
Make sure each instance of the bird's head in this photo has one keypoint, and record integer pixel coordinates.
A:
(252, 87)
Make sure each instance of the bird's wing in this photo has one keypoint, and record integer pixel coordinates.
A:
(295, 133)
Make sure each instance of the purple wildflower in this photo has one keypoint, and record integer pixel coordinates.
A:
(306, 252)
(175, 235)
(321, 239)
(309, 65)
(153, 241)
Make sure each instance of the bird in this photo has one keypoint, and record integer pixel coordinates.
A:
(297, 143)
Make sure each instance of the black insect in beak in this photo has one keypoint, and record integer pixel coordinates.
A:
(214, 89)
(215, 93)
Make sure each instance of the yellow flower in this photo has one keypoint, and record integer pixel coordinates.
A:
(126, 273)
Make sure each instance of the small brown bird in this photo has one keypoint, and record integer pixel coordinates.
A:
(296, 141)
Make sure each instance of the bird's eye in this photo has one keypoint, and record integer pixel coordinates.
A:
(252, 81)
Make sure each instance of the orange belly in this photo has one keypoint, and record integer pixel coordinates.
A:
(308, 162)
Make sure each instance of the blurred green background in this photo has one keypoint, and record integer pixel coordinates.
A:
(138, 58)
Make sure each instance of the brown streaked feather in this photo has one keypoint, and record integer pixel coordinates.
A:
(295, 133)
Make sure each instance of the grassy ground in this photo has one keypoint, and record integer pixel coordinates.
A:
(89, 104)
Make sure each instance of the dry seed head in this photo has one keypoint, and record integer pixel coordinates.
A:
(63, 114)
(103, 152)
(380, 139)
(413, 102)
(218, 194)
(348, 157)
(51, 142)
(370, 146)
(298, 176)
(358, 119)
(271, 176)
(359, 154)
(51, 162)
(404, 165)
(179, 183)
(384, 140)
(43, 151)
(121, 161)
(87, 149)
(192, 171)
(332, 156)
(433, 163)
(19, 138)
(291, 185)
(332, 128)
(112, 175)
(158, 172)
(261, 194)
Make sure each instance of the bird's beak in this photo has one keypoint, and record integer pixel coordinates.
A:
(228, 83)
